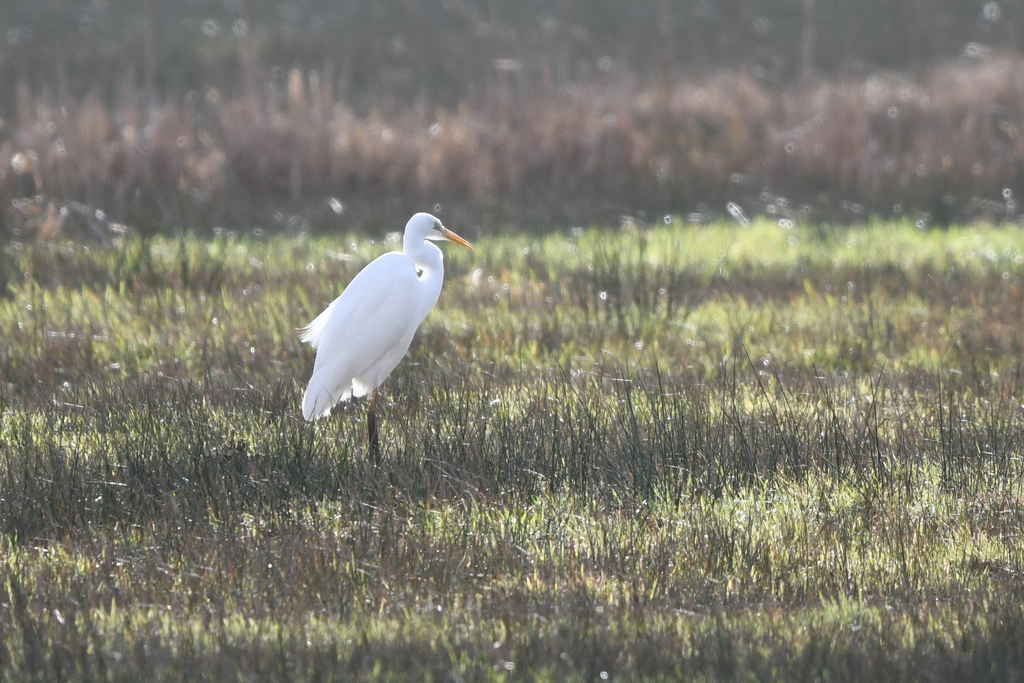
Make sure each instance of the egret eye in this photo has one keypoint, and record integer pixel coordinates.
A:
(437, 226)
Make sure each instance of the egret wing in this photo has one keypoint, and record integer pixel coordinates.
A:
(313, 332)
(373, 316)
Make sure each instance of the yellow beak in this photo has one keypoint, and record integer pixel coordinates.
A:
(455, 238)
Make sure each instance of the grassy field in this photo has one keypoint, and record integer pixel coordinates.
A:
(652, 453)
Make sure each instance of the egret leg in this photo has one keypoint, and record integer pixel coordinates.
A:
(371, 426)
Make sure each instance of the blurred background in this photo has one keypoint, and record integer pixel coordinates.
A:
(147, 116)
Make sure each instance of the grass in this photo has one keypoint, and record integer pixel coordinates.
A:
(716, 453)
(941, 148)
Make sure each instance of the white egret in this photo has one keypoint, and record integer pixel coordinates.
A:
(363, 334)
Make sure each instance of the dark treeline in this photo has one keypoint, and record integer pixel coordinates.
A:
(157, 115)
(443, 52)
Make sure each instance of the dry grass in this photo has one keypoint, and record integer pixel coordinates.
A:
(711, 453)
(940, 149)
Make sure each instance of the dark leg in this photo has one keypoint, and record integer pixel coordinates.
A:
(371, 427)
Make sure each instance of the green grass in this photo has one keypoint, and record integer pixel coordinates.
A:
(710, 453)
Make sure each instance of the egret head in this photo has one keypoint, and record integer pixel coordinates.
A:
(423, 226)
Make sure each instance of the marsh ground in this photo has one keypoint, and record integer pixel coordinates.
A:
(716, 453)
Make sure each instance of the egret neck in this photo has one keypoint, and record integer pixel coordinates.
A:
(429, 263)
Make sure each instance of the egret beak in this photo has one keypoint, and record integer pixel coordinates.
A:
(453, 237)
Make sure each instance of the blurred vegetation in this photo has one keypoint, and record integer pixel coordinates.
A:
(154, 116)
(441, 53)
(719, 453)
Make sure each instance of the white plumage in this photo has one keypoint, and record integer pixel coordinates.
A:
(363, 334)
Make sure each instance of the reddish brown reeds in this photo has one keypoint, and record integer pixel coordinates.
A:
(943, 148)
